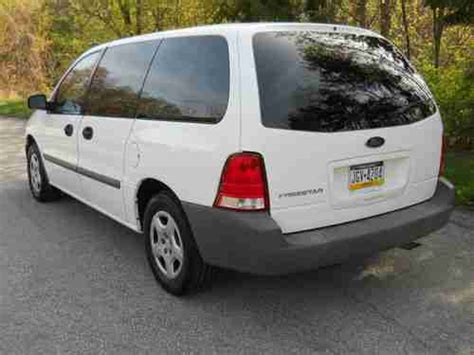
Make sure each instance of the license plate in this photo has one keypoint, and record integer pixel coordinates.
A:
(366, 175)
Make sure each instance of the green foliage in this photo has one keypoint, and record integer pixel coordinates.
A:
(261, 10)
(71, 32)
(49, 34)
(325, 11)
(14, 108)
(457, 11)
(460, 170)
(453, 88)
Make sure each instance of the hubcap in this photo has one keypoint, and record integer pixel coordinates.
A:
(166, 244)
(35, 175)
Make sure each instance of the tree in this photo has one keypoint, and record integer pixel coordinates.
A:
(360, 13)
(322, 10)
(406, 28)
(446, 13)
(385, 17)
(260, 10)
(24, 48)
(139, 16)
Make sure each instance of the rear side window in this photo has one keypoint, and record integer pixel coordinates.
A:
(118, 80)
(188, 81)
(69, 98)
(330, 82)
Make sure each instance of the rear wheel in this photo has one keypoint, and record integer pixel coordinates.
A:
(170, 247)
(38, 180)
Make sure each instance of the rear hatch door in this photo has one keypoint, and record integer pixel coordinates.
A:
(346, 127)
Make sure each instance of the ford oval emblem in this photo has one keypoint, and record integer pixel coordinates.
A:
(375, 142)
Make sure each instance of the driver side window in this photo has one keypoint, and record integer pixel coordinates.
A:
(70, 96)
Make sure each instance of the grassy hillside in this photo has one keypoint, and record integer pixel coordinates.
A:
(14, 108)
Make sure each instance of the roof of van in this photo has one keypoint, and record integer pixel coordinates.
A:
(240, 27)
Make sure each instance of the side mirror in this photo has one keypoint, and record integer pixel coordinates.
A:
(37, 102)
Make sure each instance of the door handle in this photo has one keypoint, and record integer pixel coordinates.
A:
(69, 130)
(88, 133)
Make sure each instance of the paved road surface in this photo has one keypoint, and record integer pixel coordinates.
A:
(72, 280)
(12, 149)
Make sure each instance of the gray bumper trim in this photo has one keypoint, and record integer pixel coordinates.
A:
(253, 242)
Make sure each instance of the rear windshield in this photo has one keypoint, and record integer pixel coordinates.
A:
(330, 82)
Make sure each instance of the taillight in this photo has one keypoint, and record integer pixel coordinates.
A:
(243, 185)
(442, 161)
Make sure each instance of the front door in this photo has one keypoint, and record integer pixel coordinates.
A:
(61, 126)
(106, 127)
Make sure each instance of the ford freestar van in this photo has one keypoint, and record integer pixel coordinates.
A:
(265, 148)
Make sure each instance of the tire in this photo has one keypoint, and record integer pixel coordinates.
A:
(38, 181)
(170, 247)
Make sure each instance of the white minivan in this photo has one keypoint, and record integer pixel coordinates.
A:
(264, 148)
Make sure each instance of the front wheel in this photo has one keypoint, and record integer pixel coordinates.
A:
(170, 247)
(38, 180)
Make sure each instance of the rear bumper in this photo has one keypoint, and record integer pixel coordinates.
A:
(253, 242)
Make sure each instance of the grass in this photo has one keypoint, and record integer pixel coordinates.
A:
(460, 171)
(14, 108)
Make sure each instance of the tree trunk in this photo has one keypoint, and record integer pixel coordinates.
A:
(177, 5)
(406, 29)
(160, 11)
(438, 27)
(385, 17)
(139, 17)
(124, 7)
(361, 12)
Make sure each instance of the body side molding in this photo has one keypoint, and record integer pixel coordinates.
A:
(85, 172)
